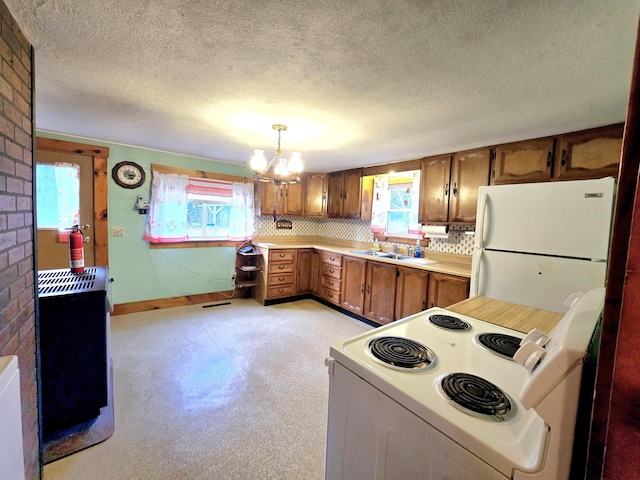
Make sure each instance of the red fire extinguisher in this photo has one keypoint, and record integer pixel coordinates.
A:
(76, 250)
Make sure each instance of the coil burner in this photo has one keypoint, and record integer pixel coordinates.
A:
(449, 322)
(401, 353)
(501, 344)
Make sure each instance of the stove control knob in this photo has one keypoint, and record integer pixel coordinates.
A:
(535, 336)
(529, 355)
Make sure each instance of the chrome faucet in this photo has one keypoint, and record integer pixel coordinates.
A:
(395, 248)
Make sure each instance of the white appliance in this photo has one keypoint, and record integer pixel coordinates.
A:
(403, 420)
(11, 450)
(537, 243)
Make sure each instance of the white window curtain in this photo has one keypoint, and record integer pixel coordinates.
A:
(167, 216)
(67, 177)
(414, 226)
(242, 224)
(380, 204)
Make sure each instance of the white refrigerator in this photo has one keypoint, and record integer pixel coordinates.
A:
(538, 243)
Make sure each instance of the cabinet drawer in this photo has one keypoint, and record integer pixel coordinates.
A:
(282, 255)
(275, 268)
(281, 291)
(331, 271)
(332, 258)
(284, 279)
(331, 283)
(330, 296)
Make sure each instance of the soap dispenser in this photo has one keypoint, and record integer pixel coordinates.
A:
(417, 253)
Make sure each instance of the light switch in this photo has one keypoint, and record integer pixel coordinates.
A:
(117, 231)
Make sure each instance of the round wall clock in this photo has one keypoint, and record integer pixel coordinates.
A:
(128, 174)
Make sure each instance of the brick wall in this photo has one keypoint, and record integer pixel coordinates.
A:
(17, 278)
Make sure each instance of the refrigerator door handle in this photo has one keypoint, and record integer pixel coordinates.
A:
(475, 270)
(482, 208)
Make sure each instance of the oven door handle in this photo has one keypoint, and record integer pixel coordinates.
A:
(330, 362)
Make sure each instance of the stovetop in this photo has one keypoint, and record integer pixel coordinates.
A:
(512, 436)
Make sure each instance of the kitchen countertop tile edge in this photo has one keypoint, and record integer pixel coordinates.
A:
(448, 263)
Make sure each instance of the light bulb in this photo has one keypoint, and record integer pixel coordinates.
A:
(295, 164)
(258, 163)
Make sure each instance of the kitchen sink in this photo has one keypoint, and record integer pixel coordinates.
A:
(397, 256)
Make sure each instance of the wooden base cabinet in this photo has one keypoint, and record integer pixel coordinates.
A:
(281, 273)
(411, 291)
(369, 289)
(331, 277)
(354, 276)
(445, 290)
(380, 292)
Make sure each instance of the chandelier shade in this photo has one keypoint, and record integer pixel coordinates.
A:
(280, 169)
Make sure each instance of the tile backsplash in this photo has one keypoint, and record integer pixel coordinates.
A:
(359, 231)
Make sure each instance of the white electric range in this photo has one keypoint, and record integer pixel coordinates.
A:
(424, 398)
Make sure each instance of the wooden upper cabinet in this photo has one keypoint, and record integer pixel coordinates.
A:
(469, 170)
(269, 194)
(589, 154)
(520, 162)
(435, 175)
(344, 194)
(286, 199)
(315, 203)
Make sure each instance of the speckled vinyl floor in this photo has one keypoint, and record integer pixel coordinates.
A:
(231, 392)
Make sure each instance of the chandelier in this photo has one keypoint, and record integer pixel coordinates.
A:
(280, 169)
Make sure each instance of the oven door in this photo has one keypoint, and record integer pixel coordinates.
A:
(369, 435)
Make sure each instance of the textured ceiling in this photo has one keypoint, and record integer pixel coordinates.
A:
(358, 82)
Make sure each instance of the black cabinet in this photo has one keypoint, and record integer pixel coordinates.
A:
(74, 345)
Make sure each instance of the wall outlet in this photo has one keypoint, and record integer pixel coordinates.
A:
(117, 231)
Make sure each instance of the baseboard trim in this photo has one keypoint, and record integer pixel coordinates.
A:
(159, 303)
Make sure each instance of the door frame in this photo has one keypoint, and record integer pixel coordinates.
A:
(100, 157)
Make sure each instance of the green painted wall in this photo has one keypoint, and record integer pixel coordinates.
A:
(139, 272)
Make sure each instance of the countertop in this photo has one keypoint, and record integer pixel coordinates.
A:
(450, 264)
(509, 315)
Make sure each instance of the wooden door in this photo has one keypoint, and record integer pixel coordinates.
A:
(303, 271)
(315, 273)
(380, 294)
(293, 198)
(435, 175)
(335, 188)
(590, 154)
(469, 171)
(411, 291)
(353, 284)
(445, 290)
(270, 198)
(53, 246)
(352, 201)
(316, 195)
(520, 162)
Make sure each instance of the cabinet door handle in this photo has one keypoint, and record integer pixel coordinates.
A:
(455, 189)
(548, 159)
(281, 267)
(563, 162)
(332, 271)
(362, 288)
(424, 305)
(368, 289)
(280, 279)
(282, 255)
(446, 189)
